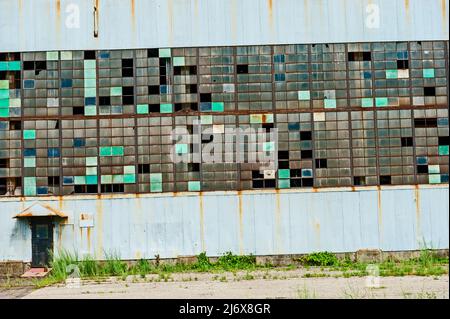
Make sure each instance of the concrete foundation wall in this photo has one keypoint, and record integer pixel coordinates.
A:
(261, 223)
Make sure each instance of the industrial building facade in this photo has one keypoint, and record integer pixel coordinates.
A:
(98, 121)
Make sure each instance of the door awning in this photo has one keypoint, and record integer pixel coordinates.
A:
(40, 210)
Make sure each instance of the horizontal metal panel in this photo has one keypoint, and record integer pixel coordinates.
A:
(261, 223)
(44, 25)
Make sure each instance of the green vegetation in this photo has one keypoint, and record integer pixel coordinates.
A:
(319, 259)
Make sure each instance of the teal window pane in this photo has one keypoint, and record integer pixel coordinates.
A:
(89, 64)
(443, 149)
(217, 106)
(3, 66)
(284, 183)
(284, 173)
(4, 103)
(90, 83)
(181, 148)
(434, 178)
(129, 169)
(91, 170)
(391, 74)
(434, 169)
(117, 151)
(367, 102)
(116, 91)
(90, 74)
(90, 92)
(30, 191)
(105, 151)
(29, 181)
(91, 179)
(156, 178)
(142, 109)
(381, 101)
(14, 65)
(129, 178)
(178, 61)
(4, 112)
(29, 134)
(166, 108)
(304, 95)
(165, 53)
(428, 73)
(307, 172)
(194, 186)
(4, 94)
(156, 187)
(268, 146)
(330, 103)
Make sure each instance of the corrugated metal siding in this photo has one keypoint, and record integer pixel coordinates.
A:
(261, 223)
(41, 24)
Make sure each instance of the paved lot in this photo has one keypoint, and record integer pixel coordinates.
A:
(273, 284)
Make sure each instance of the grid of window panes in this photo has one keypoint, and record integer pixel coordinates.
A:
(295, 91)
(101, 121)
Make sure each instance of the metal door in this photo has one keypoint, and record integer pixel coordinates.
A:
(41, 242)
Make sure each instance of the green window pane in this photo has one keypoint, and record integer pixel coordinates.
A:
(157, 187)
(52, 56)
(166, 108)
(194, 186)
(367, 102)
(29, 181)
(129, 169)
(443, 149)
(30, 191)
(4, 103)
(89, 64)
(66, 55)
(129, 178)
(164, 53)
(117, 151)
(381, 101)
(330, 103)
(79, 180)
(90, 110)
(90, 92)
(91, 179)
(178, 61)
(304, 95)
(29, 161)
(4, 84)
(142, 109)
(105, 151)
(434, 169)
(117, 179)
(29, 134)
(434, 178)
(391, 74)
(428, 73)
(217, 106)
(91, 161)
(156, 178)
(116, 91)
(90, 83)
(4, 94)
(206, 119)
(3, 66)
(90, 74)
(181, 148)
(284, 183)
(284, 173)
(267, 118)
(106, 179)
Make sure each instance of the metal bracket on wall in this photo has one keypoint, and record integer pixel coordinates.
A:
(95, 20)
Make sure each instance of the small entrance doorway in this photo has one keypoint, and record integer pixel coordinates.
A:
(41, 241)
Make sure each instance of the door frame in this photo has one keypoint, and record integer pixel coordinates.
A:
(33, 222)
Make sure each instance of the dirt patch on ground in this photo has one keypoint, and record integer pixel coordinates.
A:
(299, 283)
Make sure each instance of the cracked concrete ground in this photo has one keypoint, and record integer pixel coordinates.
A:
(261, 284)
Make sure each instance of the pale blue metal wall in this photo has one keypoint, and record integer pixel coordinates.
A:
(40, 25)
(261, 223)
